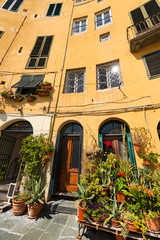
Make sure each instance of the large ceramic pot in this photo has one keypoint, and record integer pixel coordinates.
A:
(146, 162)
(34, 210)
(119, 237)
(18, 207)
(121, 197)
(81, 212)
(95, 220)
(137, 147)
(153, 224)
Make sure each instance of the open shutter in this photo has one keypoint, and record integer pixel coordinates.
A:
(101, 141)
(7, 4)
(80, 156)
(58, 9)
(131, 152)
(37, 47)
(24, 80)
(153, 63)
(47, 45)
(138, 20)
(52, 183)
(16, 6)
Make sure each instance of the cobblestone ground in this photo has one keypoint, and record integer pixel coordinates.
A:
(55, 226)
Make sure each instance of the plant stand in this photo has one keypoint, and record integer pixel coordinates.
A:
(117, 231)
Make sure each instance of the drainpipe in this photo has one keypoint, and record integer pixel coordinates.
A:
(13, 40)
(64, 58)
(50, 98)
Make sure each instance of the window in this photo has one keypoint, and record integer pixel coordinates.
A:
(74, 81)
(12, 5)
(39, 55)
(104, 37)
(139, 15)
(54, 10)
(79, 26)
(108, 75)
(28, 83)
(152, 62)
(80, 0)
(1, 33)
(103, 18)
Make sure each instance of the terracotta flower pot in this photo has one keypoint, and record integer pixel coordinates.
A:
(18, 207)
(95, 220)
(131, 227)
(119, 237)
(137, 147)
(34, 210)
(105, 190)
(30, 99)
(120, 197)
(146, 162)
(43, 94)
(81, 212)
(115, 223)
(153, 224)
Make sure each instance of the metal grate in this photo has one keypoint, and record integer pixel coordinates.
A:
(108, 75)
(72, 129)
(21, 126)
(113, 127)
(74, 81)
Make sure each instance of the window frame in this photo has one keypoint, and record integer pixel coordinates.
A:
(75, 87)
(147, 68)
(11, 5)
(79, 20)
(52, 15)
(105, 34)
(1, 33)
(102, 15)
(108, 80)
(39, 54)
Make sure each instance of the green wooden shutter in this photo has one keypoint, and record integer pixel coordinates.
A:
(101, 141)
(53, 175)
(7, 4)
(37, 47)
(46, 46)
(153, 63)
(58, 9)
(131, 152)
(152, 7)
(50, 10)
(16, 6)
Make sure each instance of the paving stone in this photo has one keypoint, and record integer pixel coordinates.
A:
(8, 236)
(22, 227)
(68, 231)
(60, 218)
(72, 222)
(32, 234)
(53, 232)
(7, 223)
(42, 223)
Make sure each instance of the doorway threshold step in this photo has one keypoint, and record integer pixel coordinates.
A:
(61, 206)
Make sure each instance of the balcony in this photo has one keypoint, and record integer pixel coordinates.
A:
(144, 33)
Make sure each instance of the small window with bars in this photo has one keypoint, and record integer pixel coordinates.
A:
(108, 75)
(103, 18)
(12, 5)
(54, 10)
(1, 33)
(74, 81)
(40, 53)
(79, 26)
(152, 62)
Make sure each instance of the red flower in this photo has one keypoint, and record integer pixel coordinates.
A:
(121, 174)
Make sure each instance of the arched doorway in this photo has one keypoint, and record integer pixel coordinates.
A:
(10, 143)
(69, 159)
(111, 139)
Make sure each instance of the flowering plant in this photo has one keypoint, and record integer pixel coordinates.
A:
(121, 182)
(7, 93)
(45, 83)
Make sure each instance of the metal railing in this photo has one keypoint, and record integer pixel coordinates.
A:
(143, 26)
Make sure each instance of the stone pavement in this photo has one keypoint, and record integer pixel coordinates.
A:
(49, 226)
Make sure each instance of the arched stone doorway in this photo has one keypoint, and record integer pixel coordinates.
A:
(10, 143)
(111, 139)
(67, 161)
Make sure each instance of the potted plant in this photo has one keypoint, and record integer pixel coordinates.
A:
(149, 158)
(17, 97)
(35, 203)
(18, 204)
(46, 85)
(120, 186)
(6, 94)
(30, 97)
(105, 176)
(152, 219)
(140, 138)
(43, 92)
(133, 221)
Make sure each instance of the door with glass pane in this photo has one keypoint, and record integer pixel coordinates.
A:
(69, 162)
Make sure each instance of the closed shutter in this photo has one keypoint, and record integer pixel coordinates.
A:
(37, 47)
(50, 10)
(7, 4)
(16, 5)
(47, 45)
(138, 20)
(153, 63)
(152, 7)
(58, 9)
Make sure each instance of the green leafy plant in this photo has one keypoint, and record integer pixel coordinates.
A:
(45, 83)
(82, 194)
(35, 193)
(140, 136)
(45, 90)
(21, 196)
(17, 97)
(152, 157)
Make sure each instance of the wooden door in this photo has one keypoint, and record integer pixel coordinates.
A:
(69, 162)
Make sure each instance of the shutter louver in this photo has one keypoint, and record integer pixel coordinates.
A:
(47, 45)
(37, 47)
(7, 4)
(50, 10)
(16, 5)
(138, 20)
(152, 7)
(24, 80)
(153, 63)
(58, 8)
